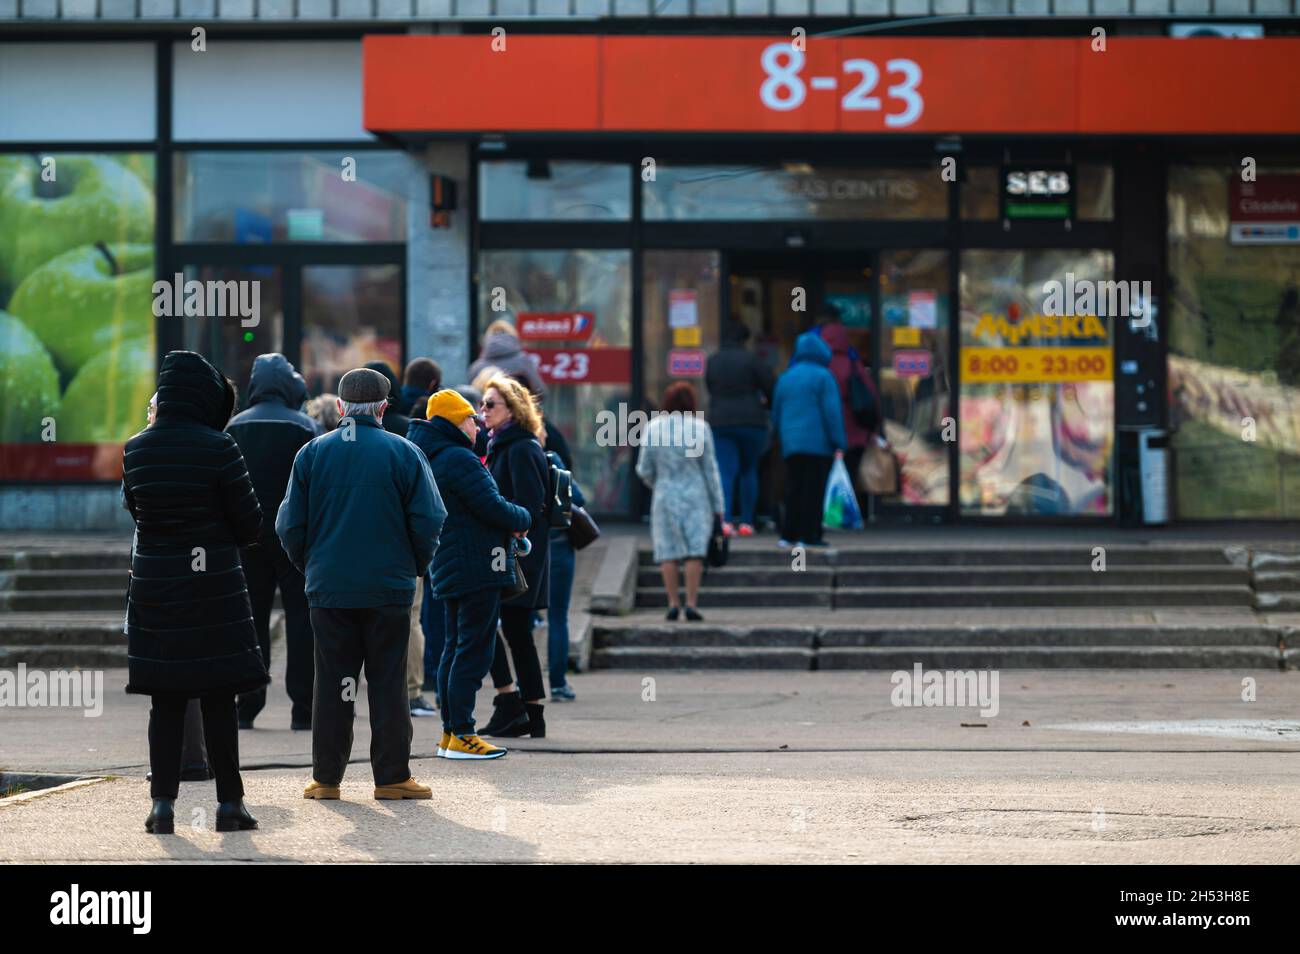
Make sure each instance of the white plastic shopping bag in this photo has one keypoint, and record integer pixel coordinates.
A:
(840, 504)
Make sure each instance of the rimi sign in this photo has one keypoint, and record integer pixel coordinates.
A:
(903, 85)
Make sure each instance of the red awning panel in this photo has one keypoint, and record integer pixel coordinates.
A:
(663, 84)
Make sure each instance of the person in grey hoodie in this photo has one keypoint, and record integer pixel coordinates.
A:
(501, 349)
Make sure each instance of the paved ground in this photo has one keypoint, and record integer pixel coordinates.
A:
(798, 767)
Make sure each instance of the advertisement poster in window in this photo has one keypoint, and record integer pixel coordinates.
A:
(76, 316)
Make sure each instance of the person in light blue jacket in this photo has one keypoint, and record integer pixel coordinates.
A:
(810, 423)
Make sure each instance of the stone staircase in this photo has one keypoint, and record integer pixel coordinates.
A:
(970, 605)
(62, 606)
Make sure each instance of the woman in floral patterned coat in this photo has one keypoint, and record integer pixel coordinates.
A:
(677, 463)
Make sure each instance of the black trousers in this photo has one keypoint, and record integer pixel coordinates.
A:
(345, 640)
(517, 625)
(805, 486)
(265, 568)
(166, 738)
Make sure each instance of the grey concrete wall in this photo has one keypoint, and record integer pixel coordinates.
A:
(438, 265)
(62, 508)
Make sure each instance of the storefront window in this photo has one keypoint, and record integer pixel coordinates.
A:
(915, 384)
(680, 305)
(1037, 385)
(573, 311)
(546, 190)
(76, 318)
(1095, 192)
(259, 197)
(351, 314)
(793, 192)
(1234, 353)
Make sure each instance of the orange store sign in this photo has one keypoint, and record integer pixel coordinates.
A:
(1151, 85)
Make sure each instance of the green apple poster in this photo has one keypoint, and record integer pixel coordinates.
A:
(76, 272)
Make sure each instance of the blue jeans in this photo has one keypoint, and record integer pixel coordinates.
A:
(557, 608)
(434, 623)
(471, 639)
(738, 450)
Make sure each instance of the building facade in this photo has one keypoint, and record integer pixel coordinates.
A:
(1056, 234)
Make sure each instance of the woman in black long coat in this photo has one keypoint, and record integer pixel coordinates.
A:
(189, 623)
(522, 473)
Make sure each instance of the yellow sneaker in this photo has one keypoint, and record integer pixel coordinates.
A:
(321, 791)
(471, 747)
(408, 789)
(442, 746)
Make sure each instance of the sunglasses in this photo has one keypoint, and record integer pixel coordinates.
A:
(488, 405)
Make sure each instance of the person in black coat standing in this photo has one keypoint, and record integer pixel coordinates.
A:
(740, 392)
(189, 622)
(520, 468)
(270, 433)
(474, 562)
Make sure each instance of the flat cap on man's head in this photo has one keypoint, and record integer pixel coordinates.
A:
(363, 386)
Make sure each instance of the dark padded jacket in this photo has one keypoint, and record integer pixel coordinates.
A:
(522, 473)
(361, 518)
(476, 550)
(189, 623)
(271, 432)
(740, 387)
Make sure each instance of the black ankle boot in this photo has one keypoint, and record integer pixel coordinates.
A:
(507, 713)
(162, 819)
(534, 725)
(233, 816)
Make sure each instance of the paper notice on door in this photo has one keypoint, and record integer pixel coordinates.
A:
(922, 309)
(683, 309)
(686, 337)
(907, 337)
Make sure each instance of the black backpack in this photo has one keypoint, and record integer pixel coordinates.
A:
(559, 511)
(862, 401)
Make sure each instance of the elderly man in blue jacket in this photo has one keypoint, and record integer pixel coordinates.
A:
(361, 520)
(808, 417)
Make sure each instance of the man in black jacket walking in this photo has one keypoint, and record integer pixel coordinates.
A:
(269, 434)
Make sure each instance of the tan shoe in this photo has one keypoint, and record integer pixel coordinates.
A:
(321, 791)
(408, 789)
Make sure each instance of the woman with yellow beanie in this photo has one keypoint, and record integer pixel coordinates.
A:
(474, 562)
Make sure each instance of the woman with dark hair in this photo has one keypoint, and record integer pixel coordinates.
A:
(677, 463)
(519, 466)
(740, 391)
(189, 622)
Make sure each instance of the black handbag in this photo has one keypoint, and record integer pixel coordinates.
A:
(583, 529)
(719, 544)
(520, 586)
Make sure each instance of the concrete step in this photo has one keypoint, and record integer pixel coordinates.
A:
(937, 657)
(54, 601)
(1278, 602)
(922, 636)
(66, 559)
(1040, 576)
(1272, 581)
(63, 656)
(1053, 657)
(62, 632)
(1046, 596)
(102, 578)
(756, 577)
(1117, 555)
(819, 597)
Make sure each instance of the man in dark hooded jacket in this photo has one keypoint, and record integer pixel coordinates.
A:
(269, 434)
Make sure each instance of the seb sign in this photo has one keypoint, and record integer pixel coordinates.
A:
(1147, 85)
